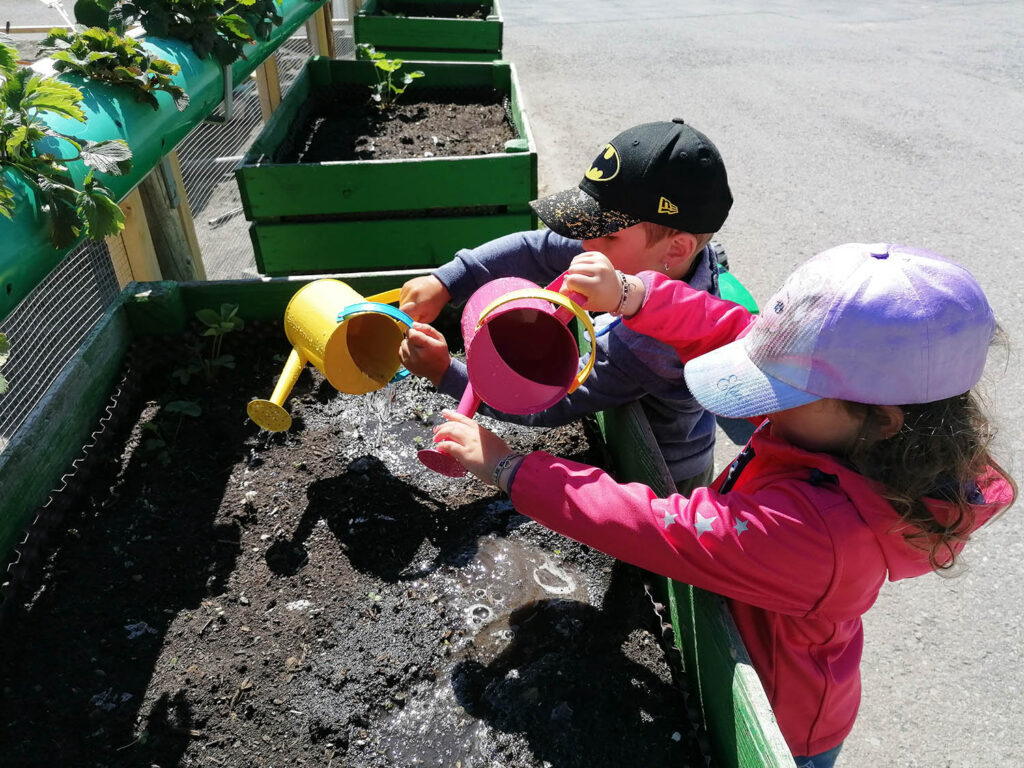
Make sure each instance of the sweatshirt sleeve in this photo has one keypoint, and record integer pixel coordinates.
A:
(774, 551)
(692, 321)
(539, 255)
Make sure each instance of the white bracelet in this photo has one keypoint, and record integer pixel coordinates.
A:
(625, 294)
(504, 466)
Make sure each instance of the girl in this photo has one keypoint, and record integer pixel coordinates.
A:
(870, 462)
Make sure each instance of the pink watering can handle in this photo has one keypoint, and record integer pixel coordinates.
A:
(563, 303)
(442, 462)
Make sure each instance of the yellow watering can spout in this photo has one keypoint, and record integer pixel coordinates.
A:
(352, 341)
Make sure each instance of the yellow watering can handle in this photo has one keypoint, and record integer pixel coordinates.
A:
(388, 297)
(561, 301)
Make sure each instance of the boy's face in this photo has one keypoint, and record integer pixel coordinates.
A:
(629, 252)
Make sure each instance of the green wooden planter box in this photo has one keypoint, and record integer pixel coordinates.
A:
(384, 214)
(438, 37)
(740, 726)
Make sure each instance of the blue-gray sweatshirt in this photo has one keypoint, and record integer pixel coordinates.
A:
(629, 366)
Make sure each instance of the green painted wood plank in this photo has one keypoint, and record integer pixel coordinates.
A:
(383, 32)
(331, 246)
(414, 56)
(42, 450)
(370, 186)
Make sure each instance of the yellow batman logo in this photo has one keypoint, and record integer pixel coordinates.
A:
(667, 206)
(606, 166)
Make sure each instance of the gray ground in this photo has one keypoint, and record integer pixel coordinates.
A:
(896, 121)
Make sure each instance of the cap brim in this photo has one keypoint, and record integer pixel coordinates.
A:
(727, 383)
(575, 214)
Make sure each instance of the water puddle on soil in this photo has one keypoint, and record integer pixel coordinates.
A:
(506, 577)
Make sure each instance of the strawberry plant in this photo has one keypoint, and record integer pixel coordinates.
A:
(390, 84)
(40, 154)
(105, 55)
(218, 27)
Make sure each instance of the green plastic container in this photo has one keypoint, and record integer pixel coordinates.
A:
(384, 214)
(430, 30)
(740, 726)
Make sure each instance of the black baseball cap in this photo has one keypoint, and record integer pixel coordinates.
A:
(667, 173)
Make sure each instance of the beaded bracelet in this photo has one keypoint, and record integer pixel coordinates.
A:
(503, 465)
(625, 294)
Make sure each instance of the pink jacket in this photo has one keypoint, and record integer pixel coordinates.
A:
(800, 544)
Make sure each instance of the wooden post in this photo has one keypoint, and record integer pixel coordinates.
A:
(132, 251)
(170, 222)
(320, 33)
(268, 85)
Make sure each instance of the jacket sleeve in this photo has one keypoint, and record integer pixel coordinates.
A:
(692, 321)
(774, 551)
(539, 255)
(618, 377)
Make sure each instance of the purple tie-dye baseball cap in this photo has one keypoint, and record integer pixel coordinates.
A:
(879, 324)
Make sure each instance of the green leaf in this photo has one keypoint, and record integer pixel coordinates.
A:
(6, 200)
(102, 215)
(208, 317)
(49, 95)
(112, 156)
(8, 56)
(184, 407)
(235, 25)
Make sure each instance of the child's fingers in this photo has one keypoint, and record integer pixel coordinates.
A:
(454, 417)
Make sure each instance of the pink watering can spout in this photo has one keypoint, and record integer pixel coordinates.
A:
(520, 355)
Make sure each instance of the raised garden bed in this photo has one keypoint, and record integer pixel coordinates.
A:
(316, 597)
(337, 209)
(436, 30)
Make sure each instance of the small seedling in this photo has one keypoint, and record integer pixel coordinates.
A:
(217, 326)
(157, 443)
(391, 83)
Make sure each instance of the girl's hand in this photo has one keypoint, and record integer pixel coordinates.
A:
(423, 298)
(475, 448)
(593, 275)
(425, 353)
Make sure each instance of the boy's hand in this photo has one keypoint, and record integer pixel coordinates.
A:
(423, 298)
(475, 448)
(425, 352)
(593, 275)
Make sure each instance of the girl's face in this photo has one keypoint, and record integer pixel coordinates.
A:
(825, 426)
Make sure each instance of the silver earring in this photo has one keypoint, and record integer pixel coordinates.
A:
(665, 266)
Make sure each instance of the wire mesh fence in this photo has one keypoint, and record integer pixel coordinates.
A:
(48, 326)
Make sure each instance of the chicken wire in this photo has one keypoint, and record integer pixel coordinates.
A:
(210, 153)
(48, 326)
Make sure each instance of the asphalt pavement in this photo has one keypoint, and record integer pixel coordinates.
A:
(841, 122)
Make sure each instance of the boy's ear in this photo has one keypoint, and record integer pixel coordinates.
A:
(888, 420)
(682, 249)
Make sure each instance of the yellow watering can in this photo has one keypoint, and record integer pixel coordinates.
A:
(351, 340)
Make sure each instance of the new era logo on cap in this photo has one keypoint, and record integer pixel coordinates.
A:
(667, 173)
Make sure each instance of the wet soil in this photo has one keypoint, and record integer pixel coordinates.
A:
(225, 597)
(340, 123)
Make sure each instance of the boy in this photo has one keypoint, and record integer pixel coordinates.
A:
(651, 200)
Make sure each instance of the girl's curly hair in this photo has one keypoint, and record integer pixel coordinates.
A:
(940, 452)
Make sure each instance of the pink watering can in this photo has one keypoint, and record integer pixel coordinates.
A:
(520, 355)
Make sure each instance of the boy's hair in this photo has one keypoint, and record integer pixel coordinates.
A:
(941, 451)
(657, 232)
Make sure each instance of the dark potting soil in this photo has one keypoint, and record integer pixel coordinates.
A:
(226, 597)
(435, 10)
(341, 123)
